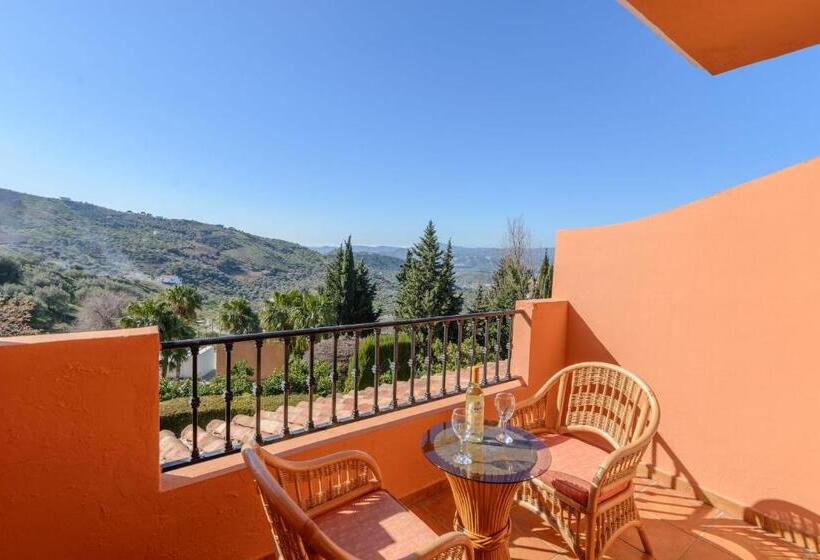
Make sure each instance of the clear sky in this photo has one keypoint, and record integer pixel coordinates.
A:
(312, 120)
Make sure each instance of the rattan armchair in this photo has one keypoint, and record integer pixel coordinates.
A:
(597, 419)
(335, 508)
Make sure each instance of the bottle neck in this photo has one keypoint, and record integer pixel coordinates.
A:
(475, 375)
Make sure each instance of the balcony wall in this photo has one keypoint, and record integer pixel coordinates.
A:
(80, 474)
(717, 305)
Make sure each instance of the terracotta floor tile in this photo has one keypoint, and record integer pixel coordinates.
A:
(704, 551)
(748, 542)
(668, 542)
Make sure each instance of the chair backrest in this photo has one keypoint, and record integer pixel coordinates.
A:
(296, 536)
(606, 400)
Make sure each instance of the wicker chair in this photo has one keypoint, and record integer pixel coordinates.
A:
(597, 419)
(334, 508)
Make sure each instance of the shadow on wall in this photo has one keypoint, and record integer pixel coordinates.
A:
(582, 344)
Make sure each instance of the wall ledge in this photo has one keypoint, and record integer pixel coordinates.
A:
(201, 472)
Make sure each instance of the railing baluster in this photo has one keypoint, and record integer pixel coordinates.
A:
(257, 391)
(486, 347)
(510, 347)
(335, 379)
(228, 396)
(311, 381)
(376, 370)
(458, 355)
(194, 403)
(473, 349)
(429, 359)
(395, 402)
(444, 359)
(412, 397)
(354, 373)
(498, 324)
(286, 388)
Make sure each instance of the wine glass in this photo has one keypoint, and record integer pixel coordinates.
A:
(505, 405)
(462, 430)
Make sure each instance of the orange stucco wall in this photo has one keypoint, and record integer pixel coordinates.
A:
(79, 467)
(717, 305)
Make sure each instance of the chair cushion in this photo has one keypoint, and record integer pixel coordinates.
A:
(573, 466)
(375, 526)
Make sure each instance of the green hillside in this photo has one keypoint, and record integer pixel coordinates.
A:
(220, 261)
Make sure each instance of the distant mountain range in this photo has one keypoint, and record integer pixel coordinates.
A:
(220, 261)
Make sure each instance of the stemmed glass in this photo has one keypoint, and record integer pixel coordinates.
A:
(505, 405)
(462, 430)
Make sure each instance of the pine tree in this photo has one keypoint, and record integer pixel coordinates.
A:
(348, 291)
(427, 280)
(543, 286)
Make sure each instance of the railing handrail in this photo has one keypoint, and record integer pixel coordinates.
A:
(327, 329)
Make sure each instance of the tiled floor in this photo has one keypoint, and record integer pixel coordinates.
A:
(679, 526)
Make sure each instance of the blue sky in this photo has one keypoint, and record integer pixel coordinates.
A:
(309, 121)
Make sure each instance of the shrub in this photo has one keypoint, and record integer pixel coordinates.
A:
(298, 373)
(367, 358)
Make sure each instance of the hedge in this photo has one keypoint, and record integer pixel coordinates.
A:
(175, 414)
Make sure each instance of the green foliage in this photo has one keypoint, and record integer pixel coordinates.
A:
(427, 280)
(298, 375)
(15, 315)
(10, 271)
(156, 311)
(185, 301)
(367, 359)
(236, 317)
(348, 291)
(294, 309)
(543, 283)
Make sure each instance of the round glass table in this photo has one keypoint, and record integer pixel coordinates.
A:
(484, 490)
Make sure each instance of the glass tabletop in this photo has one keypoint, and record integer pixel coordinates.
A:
(525, 458)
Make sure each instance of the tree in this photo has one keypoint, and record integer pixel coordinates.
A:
(185, 301)
(10, 272)
(348, 291)
(171, 325)
(427, 280)
(236, 317)
(294, 309)
(15, 315)
(543, 284)
(101, 310)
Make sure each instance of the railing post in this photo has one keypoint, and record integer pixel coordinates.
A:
(335, 379)
(311, 381)
(354, 373)
(444, 359)
(376, 370)
(286, 388)
(499, 323)
(510, 346)
(412, 396)
(395, 403)
(458, 355)
(429, 359)
(228, 396)
(486, 347)
(257, 391)
(194, 404)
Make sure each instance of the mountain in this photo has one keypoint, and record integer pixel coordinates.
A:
(474, 265)
(220, 261)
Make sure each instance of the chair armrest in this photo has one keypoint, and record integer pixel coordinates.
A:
(531, 413)
(449, 546)
(321, 484)
(619, 464)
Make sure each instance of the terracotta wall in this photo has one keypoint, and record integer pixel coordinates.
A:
(80, 475)
(273, 356)
(717, 305)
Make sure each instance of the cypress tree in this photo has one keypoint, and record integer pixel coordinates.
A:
(543, 287)
(427, 280)
(348, 291)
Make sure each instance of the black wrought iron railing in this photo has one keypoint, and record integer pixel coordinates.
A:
(427, 359)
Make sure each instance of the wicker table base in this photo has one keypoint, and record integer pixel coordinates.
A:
(483, 515)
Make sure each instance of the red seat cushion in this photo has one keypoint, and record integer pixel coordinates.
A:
(375, 527)
(573, 466)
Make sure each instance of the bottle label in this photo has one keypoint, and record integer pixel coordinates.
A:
(475, 418)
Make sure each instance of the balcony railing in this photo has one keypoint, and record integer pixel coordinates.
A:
(483, 339)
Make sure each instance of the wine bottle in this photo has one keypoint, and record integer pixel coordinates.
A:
(475, 406)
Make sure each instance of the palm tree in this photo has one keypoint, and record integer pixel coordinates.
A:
(236, 317)
(154, 311)
(294, 309)
(185, 301)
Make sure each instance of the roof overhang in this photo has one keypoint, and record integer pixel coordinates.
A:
(721, 35)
